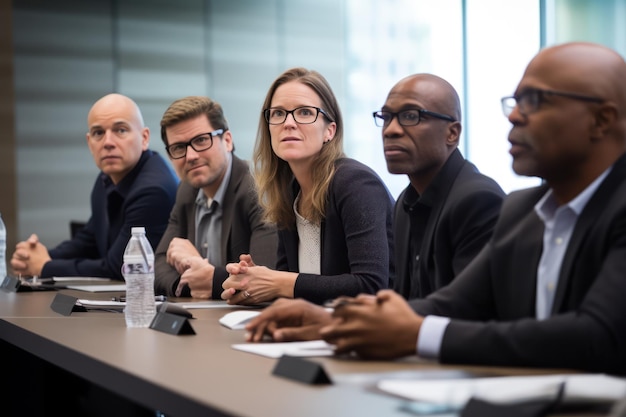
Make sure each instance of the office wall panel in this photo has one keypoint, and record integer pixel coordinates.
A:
(243, 54)
(62, 63)
(160, 46)
(8, 142)
(68, 53)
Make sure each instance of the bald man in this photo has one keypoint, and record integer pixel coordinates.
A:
(134, 188)
(447, 213)
(548, 289)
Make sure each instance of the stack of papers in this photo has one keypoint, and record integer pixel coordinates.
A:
(104, 304)
(578, 388)
(97, 288)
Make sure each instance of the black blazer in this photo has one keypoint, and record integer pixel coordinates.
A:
(492, 302)
(144, 197)
(464, 208)
(356, 237)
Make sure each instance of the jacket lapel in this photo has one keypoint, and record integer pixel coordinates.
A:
(589, 216)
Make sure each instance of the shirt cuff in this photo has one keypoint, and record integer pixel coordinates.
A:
(431, 336)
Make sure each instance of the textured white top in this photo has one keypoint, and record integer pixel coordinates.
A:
(309, 245)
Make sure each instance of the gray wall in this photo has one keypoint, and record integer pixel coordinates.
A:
(68, 53)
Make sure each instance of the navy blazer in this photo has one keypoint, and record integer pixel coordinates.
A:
(492, 302)
(243, 230)
(464, 206)
(356, 237)
(144, 197)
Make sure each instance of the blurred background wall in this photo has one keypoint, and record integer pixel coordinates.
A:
(58, 57)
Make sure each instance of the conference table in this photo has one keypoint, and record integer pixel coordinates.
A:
(200, 374)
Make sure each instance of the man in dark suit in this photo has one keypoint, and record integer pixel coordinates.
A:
(447, 213)
(216, 216)
(548, 289)
(134, 188)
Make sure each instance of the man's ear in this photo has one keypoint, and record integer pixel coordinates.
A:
(454, 133)
(604, 118)
(227, 137)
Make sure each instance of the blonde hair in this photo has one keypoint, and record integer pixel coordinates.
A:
(273, 175)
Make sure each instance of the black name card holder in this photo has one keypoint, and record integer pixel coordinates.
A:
(10, 284)
(64, 304)
(172, 324)
(302, 370)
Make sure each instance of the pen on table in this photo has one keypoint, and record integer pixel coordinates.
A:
(346, 301)
(340, 302)
(122, 299)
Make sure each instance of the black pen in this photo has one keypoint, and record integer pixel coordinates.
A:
(122, 299)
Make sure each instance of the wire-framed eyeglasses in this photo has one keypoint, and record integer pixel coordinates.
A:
(410, 117)
(529, 100)
(199, 143)
(302, 115)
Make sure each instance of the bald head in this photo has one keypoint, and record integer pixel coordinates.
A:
(420, 150)
(586, 68)
(117, 103)
(117, 135)
(574, 128)
(437, 94)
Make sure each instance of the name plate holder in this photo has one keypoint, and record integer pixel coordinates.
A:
(301, 370)
(64, 304)
(171, 323)
(15, 284)
(10, 284)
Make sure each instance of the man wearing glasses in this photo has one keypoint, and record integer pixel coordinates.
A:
(548, 289)
(216, 216)
(447, 213)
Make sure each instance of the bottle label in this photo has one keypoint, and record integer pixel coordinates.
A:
(136, 268)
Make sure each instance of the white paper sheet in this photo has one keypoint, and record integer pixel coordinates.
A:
(208, 304)
(276, 350)
(105, 304)
(456, 392)
(65, 279)
(98, 288)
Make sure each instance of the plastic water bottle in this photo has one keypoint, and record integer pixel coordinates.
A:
(3, 249)
(138, 271)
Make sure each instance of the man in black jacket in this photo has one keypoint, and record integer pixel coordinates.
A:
(447, 213)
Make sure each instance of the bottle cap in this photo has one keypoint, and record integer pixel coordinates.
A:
(135, 230)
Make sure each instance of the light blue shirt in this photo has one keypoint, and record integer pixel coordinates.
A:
(559, 223)
(209, 219)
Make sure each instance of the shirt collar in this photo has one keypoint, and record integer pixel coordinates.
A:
(201, 198)
(438, 188)
(123, 187)
(546, 207)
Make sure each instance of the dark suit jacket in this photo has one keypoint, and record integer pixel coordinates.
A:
(357, 242)
(464, 208)
(144, 197)
(492, 302)
(243, 230)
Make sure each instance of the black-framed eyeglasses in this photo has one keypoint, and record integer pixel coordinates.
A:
(529, 101)
(409, 117)
(199, 143)
(302, 115)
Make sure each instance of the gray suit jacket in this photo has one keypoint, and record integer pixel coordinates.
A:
(492, 302)
(243, 230)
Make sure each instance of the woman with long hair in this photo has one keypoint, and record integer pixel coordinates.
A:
(333, 213)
